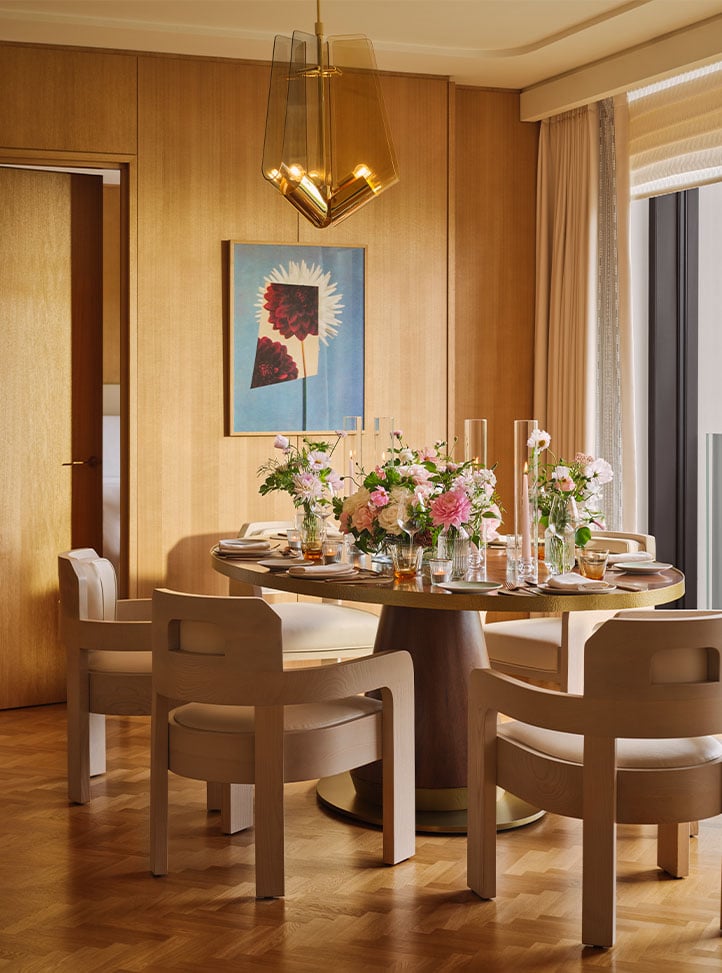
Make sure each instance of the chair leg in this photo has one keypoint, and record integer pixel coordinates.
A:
(398, 778)
(96, 739)
(159, 788)
(481, 803)
(236, 807)
(270, 879)
(673, 848)
(85, 732)
(599, 836)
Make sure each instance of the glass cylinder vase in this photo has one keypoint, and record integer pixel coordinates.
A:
(526, 516)
(353, 440)
(455, 545)
(559, 536)
(313, 533)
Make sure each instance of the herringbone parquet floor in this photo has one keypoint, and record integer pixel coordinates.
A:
(76, 894)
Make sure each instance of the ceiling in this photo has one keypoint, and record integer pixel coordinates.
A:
(493, 43)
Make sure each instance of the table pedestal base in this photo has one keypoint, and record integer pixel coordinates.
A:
(338, 793)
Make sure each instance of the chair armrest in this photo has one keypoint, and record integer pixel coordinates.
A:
(382, 670)
(107, 636)
(134, 609)
(495, 691)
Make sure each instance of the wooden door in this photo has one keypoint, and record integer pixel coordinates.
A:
(37, 401)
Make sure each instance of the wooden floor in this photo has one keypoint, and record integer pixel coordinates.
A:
(76, 894)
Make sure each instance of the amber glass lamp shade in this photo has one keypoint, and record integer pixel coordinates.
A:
(327, 147)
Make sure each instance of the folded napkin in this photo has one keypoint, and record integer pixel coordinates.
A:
(634, 556)
(575, 582)
(240, 545)
(333, 570)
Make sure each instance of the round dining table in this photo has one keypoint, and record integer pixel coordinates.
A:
(442, 631)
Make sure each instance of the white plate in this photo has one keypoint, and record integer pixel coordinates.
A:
(641, 567)
(581, 590)
(480, 587)
(281, 563)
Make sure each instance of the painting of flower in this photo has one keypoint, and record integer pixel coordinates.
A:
(296, 336)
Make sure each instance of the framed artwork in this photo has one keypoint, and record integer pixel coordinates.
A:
(296, 349)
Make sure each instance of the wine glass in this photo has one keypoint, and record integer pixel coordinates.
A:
(406, 517)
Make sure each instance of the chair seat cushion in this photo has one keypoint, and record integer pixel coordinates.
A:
(120, 662)
(631, 754)
(309, 627)
(532, 642)
(302, 716)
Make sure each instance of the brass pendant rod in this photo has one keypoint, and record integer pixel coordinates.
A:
(322, 106)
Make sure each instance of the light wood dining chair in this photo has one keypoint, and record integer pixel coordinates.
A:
(247, 723)
(639, 746)
(549, 649)
(315, 630)
(108, 645)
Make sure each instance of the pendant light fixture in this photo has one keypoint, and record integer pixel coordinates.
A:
(327, 147)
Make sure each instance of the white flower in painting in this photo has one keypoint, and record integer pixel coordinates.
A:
(300, 274)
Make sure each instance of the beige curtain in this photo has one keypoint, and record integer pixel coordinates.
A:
(566, 270)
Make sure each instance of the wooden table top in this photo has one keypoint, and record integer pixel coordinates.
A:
(648, 590)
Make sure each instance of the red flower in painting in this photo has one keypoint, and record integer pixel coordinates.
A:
(292, 309)
(273, 364)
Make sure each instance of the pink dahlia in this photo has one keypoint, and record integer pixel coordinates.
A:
(451, 509)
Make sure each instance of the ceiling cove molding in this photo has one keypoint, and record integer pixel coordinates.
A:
(675, 52)
(131, 26)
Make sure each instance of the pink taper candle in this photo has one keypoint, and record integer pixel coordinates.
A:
(525, 526)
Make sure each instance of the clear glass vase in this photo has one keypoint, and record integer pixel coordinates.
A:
(559, 536)
(455, 544)
(313, 534)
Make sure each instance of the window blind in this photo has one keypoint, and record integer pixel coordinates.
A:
(675, 133)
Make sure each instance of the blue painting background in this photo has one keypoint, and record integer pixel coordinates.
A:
(337, 390)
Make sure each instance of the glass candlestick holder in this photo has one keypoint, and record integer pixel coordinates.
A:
(353, 452)
(475, 441)
(526, 513)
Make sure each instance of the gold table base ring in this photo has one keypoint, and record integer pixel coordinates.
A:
(338, 793)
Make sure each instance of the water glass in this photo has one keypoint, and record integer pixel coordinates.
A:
(593, 564)
(407, 561)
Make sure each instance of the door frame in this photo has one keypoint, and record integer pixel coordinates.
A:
(126, 165)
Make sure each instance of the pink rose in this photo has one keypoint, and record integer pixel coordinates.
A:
(451, 509)
(379, 497)
(363, 518)
(565, 484)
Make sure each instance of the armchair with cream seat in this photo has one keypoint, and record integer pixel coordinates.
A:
(108, 643)
(109, 660)
(639, 746)
(250, 724)
(550, 649)
(324, 630)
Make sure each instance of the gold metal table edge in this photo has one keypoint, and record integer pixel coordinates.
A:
(338, 794)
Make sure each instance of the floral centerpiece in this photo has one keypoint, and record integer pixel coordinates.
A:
(427, 491)
(305, 473)
(569, 497)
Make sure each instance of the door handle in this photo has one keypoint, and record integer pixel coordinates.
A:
(91, 461)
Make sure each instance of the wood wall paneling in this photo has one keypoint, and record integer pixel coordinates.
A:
(495, 176)
(65, 99)
(201, 128)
